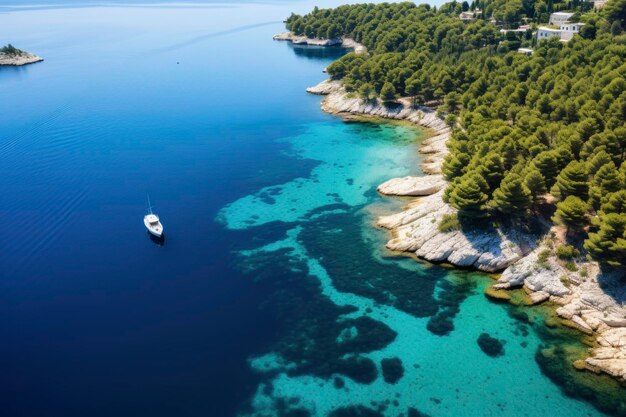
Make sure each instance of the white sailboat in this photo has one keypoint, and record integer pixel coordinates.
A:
(152, 222)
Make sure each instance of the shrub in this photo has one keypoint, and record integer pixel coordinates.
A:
(448, 223)
(571, 266)
(542, 258)
(567, 252)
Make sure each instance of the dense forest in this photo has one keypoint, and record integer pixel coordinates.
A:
(527, 130)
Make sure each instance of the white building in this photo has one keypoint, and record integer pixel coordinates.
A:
(568, 30)
(558, 18)
(565, 32)
(467, 15)
(525, 51)
(544, 32)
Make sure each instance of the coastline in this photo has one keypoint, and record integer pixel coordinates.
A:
(579, 298)
(580, 302)
(17, 60)
(303, 40)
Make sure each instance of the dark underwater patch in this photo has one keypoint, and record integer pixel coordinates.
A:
(336, 241)
(355, 411)
(359, 369)
(490, 345)
(392, 369)
(449, 298)
(412, 412)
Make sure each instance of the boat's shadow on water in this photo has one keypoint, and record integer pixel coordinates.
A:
(159, 241)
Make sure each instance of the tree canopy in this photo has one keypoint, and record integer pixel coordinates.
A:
(522, 125)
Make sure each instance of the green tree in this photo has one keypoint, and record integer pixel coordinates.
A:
(571, 212)
(469, 196)
(572, 181)
(546, 163)
(491, 168)
(535, 183)
(366, 91)
(388, 92)
(608, 243)
(598, 160)
(616, 203)
(512, 197)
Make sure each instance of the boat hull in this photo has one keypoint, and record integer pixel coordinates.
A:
(155, 229)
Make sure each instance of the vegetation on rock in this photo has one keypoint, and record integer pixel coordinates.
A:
(523, 125)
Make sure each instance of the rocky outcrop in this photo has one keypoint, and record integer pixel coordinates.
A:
(303, 40)
(325, 87)
(18, 59)
(416, 230)
(413, 186)
(590, 300)
(585, 304)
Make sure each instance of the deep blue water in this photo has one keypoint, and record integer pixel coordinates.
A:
(271, 289)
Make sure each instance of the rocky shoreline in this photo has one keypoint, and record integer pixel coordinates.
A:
(303, 40)
(590, 301)
(19, 59)
(586, 298)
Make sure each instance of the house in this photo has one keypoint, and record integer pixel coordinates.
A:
(525, 51)
(544, 32)
(568, 30)
(467, 15)
(558, 18)
(565, 31)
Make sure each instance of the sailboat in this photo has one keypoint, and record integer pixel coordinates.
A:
(152, 222)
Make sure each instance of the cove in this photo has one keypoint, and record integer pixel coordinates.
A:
(354, 307)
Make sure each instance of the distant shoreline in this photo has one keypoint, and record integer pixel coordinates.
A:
(18, 59)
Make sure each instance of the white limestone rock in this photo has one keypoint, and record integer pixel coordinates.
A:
(19, 59)
(413, 186)
(325, 87)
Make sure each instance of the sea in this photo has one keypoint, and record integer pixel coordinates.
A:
(271, 293)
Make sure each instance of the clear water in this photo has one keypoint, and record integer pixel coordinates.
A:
(271, 294)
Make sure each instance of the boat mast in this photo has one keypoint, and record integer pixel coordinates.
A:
(149, 205)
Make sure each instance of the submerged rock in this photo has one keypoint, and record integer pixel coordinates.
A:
(393, 370)
(499, 296)
(490, 345)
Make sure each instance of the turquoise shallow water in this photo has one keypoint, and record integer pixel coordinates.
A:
(272, 293)
(443, 375)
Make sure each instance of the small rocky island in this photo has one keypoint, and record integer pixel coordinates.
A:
(10, 55)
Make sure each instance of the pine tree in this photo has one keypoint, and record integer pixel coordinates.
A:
(546, 163)
(616, 203)
(513, 197)
(388, 92)
(491, 169)
(598, 160)
(607, 178)
(571, 212)
(535, 182)
(509, 152)
(470, 195)
(572, 181)
(366, 91)
(608, 244)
